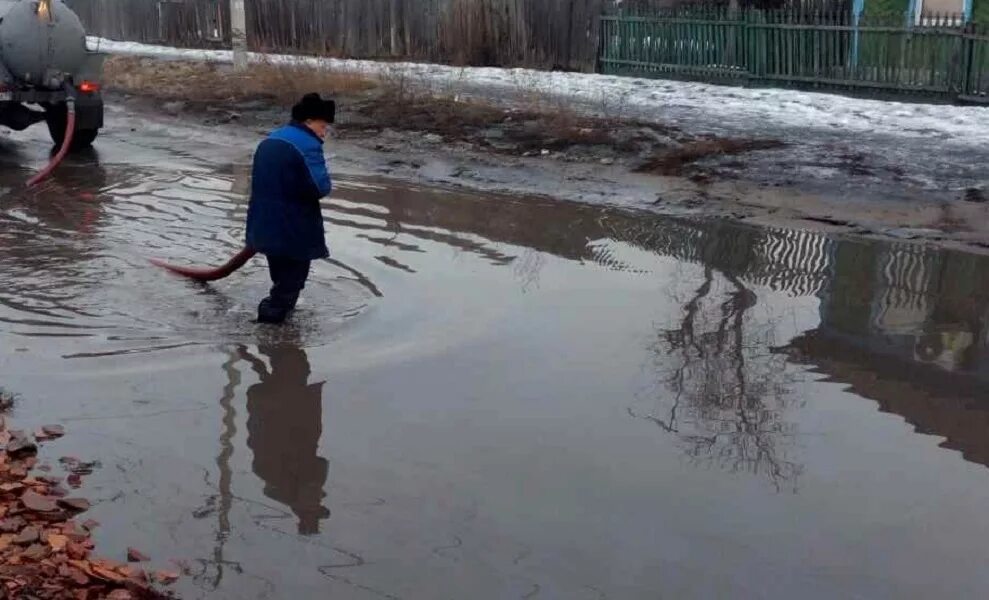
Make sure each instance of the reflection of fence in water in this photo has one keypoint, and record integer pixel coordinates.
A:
(902, 302)
(887, 288)
(789, 261)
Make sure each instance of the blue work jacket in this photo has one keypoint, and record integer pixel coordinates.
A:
(288, 180)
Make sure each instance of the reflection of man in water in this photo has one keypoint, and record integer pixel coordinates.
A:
(284, 425)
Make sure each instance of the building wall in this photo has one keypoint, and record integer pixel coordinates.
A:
(980, 11)
(944, 7)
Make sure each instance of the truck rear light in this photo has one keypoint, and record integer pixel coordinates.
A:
(89, 87)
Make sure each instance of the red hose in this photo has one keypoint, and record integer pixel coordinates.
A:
(206, 274)
(70, 130)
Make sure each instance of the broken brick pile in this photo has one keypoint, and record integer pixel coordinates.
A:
(45, 553)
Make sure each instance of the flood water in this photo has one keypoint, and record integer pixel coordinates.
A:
(491, 397)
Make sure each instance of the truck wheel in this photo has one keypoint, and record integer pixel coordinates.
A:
(57, 119)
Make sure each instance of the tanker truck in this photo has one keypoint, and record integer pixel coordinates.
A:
(47, 73)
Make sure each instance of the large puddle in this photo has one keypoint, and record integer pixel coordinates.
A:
(489, 397)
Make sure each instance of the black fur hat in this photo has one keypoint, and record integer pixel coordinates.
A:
(313, 107)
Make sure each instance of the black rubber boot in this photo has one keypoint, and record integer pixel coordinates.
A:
(269, 314)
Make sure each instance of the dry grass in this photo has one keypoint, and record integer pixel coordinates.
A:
(472, 121)
(198, 82)
(674, 161)
(537, 119)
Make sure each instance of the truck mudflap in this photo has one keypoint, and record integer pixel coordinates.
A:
(89, 111)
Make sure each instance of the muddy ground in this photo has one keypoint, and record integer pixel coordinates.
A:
(534, 144)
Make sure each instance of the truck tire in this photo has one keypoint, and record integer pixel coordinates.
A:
(57, 118)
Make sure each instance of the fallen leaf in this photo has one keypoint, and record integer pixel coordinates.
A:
(12, 524)
(21, 445)
(90, 524)
(54, 430)
(74, 480)
(76, 551)
(106, 563)
(77, 534)
(135, 574)
(29, 535)
(107, 574)
(166, 577)
(135, 555)
(36, 552)
(79, 504)
(36, 502)
(6, 540)
(11, 486)
(120, 595)
(57, 542)
(78, 577)
(85, 567)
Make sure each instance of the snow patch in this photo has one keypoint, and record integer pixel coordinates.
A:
(709, 107)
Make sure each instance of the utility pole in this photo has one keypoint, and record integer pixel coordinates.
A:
(393, 22)
(238, 33)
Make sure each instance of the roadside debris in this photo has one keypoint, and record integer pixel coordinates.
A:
(44, 552)
(134, 555)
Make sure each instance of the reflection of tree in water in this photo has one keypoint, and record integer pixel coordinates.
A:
(723, 390)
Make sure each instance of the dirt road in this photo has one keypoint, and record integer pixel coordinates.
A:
(495, 396)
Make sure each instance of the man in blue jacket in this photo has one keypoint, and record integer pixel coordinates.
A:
(284, 221)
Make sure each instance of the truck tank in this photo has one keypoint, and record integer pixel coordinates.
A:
(45, 68)
(42, 42)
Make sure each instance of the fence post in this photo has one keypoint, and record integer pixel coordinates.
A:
(857, 8)
(599, 56)
(238, 33)
(968, 59)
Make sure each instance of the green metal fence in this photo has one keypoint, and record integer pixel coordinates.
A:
(935, 55)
